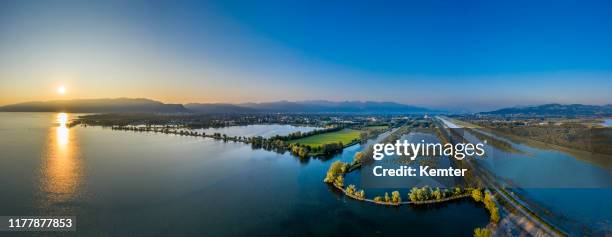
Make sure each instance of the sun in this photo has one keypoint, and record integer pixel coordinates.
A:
(61, 90)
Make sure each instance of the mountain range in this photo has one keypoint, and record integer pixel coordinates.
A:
(141, 105)
(314, 106)
(118, 105)
(556, 110)
(151, 106)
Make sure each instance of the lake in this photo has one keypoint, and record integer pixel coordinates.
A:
(267, 130)
(122, 183)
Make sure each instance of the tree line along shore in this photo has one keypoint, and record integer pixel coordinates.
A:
(322, 142)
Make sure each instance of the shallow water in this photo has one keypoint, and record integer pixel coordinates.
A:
(563, 188)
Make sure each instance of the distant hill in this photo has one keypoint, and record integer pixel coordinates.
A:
(318, 106)
(323, 106)
(118, 105)
(557, 110)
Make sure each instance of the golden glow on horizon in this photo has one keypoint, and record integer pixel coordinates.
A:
(61, 90)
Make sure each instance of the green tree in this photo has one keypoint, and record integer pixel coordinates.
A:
(412, 195)
(339, 181)
(360, 194)
(437, 194)
(420, 194)
(424, 193)
(492, 207)
(336, 168)
(358, 157)
(350, 189)
(488, 201)
(378, 199)
(494, 215)
(303, 152)
(387, 198)
(329, 178)
(477, 195)
(395, 197)
(482, 232)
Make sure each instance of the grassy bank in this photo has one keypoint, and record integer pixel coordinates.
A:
(345, 136)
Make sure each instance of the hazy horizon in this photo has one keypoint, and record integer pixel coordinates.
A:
(448, 55)
(336, 101)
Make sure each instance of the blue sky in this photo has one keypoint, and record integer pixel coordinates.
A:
(474, 55)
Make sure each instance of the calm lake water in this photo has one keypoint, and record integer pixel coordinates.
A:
(268, 130)
(121, 183)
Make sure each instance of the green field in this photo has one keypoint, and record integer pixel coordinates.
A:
(345, 136)
(377, 127)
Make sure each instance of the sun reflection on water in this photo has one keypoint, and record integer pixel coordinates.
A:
(61, 165)
(62, 131)
(62, 119)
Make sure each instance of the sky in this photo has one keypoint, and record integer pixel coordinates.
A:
(456, 55)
